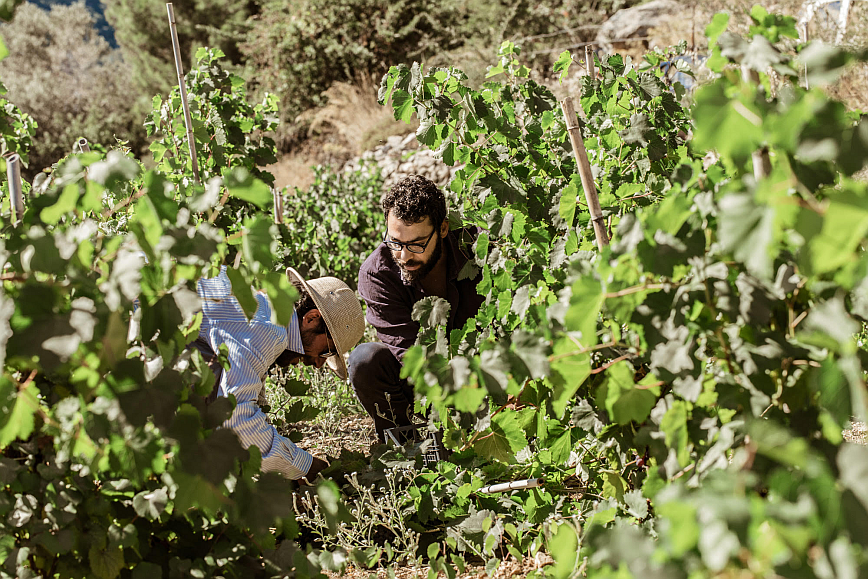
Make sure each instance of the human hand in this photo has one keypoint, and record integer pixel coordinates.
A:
(316, 466)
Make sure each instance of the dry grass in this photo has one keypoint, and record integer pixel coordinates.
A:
(508, 568)
(351, 123)
(354, 118)
(326, 438)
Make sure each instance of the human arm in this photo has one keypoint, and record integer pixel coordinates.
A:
(244, 381)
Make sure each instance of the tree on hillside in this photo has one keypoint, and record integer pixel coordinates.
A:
(142, 32)
(67, 77)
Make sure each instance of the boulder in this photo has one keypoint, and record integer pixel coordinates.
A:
(631, 26)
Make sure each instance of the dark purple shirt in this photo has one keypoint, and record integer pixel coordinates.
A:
(390, 299)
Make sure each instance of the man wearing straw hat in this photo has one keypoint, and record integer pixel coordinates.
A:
(326, 324)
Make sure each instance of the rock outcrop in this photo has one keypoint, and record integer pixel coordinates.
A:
(401, 156)
(630, 27)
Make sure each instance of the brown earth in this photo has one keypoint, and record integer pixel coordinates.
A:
(508, 568)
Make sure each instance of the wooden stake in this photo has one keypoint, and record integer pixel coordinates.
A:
(804, 38)
(585, 173)
(16, 196)
(278, 207)
(589, 60)
(179, 67)
(83, 145)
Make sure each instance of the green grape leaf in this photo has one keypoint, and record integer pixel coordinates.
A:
(468, 399)
(17, 408)
(259, 243)
(562, 65)
(725, 123)
(151, 503)
(637, 504)
(716, 27)
(503, 439)
(674, 426)
(295, 387)
(242, 292)
(298, 411)
(625, 400)
(567, 203)
(747, 230)
(402, 103)
(564, 547)
(243, 185)
(105, 563)
(529, 351)
(66, 202)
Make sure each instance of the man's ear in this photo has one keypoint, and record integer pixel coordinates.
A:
(444, 227)
(310, 319)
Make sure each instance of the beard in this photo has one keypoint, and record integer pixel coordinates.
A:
(426, 266)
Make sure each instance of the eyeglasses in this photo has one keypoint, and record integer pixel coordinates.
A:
(327, 353)
(412, 247)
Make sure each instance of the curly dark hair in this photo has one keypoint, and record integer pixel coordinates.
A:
(413, 199)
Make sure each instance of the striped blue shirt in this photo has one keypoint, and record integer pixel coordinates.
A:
(253, 346)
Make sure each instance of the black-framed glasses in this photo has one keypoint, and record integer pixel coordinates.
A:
(412, 247)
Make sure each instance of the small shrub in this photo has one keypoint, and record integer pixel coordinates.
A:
(334, 224)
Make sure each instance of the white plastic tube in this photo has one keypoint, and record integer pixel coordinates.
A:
(516, 485)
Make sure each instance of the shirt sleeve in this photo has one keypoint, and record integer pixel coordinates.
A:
(389, 315)
(249, 422)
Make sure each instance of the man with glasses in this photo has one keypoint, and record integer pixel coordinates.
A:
(419, 257)
(326, 323)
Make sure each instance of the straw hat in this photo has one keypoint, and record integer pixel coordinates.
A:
(342, 312)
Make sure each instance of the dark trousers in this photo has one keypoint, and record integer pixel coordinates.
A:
(376, 378)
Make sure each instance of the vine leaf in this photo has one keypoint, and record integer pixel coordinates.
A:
(562, 65)
(637, 504)
(503, 440)
(19, 407)
(242, 291)
(105, 563)
(151, 503)
(243, 185)
(625, 400)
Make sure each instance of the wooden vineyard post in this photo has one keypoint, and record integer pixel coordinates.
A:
(16, 196)
(83, 145)
(179, 67)
(589, 61)
(585, 173)
(278, 206)
(762, 164)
